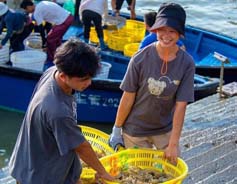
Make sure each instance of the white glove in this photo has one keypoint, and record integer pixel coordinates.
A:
(116, 139)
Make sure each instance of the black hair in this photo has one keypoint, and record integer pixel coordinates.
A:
(26, 3)
(76, 59)
(150, 18)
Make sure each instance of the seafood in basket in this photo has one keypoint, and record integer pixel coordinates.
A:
(143, 166)
(137, 175)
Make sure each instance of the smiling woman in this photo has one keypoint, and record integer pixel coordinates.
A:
(157, 86)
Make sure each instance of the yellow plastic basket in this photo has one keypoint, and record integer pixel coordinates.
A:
(94, 38)
(130, 49)
(133, 31)
(134, 24)
(117, 40)
(99, 141)
(137, 28)
(145, 159)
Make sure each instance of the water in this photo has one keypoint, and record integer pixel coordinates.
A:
(10, 123)
(9, 126)
(216, 15)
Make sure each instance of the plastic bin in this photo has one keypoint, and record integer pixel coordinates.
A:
(4, 51)
(130, 49)
(29, 59)
(33, 42)
(145, 159)
(117, 40)
(94, 38)
(104, 69)
(137, 28)
(4, 54)
(99, 141)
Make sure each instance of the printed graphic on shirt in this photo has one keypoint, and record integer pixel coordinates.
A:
(162, 87)
(74, 108)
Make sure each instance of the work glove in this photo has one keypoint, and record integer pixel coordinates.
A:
(116, 139)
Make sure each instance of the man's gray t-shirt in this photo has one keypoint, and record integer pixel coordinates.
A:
(156, 94)
(43, 153)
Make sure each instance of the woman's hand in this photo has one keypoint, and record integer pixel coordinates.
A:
(171, 153)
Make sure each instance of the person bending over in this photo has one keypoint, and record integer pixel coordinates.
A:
(50, 144)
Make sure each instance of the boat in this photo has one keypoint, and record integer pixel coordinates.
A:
(209, 50)
(99, 102)
(203, 45)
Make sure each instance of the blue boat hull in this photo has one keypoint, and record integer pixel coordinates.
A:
(98, 103)
(201, 45)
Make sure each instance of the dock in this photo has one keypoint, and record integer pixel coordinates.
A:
(209, 141)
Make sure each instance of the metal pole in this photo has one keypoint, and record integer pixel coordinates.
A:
(221, 79)
(223, 60)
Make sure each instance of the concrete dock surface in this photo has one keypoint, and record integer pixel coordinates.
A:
(209, 141)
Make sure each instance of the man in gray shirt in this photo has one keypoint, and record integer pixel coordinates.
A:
(50, 141)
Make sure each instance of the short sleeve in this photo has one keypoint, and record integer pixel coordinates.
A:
(67, 134)
(186, 89)
(131, 78)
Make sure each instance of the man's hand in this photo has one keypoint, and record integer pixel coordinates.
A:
(103, 176)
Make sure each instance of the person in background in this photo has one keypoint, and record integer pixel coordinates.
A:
(76, 13)
(43, 28)
(157, 86)
(149, 20)
(117, 5)
(17, 25)
(50, 144)
(93, 11)
(14, 4)
(61, 19)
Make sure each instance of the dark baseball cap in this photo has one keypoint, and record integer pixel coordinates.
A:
(171, 15)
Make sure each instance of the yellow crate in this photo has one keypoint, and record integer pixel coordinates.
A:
(137, 28)
(118, 39)
(134, 24)
(93, 35)
(130, 49)
(133, 31)
(145, 159)
(99, 141)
